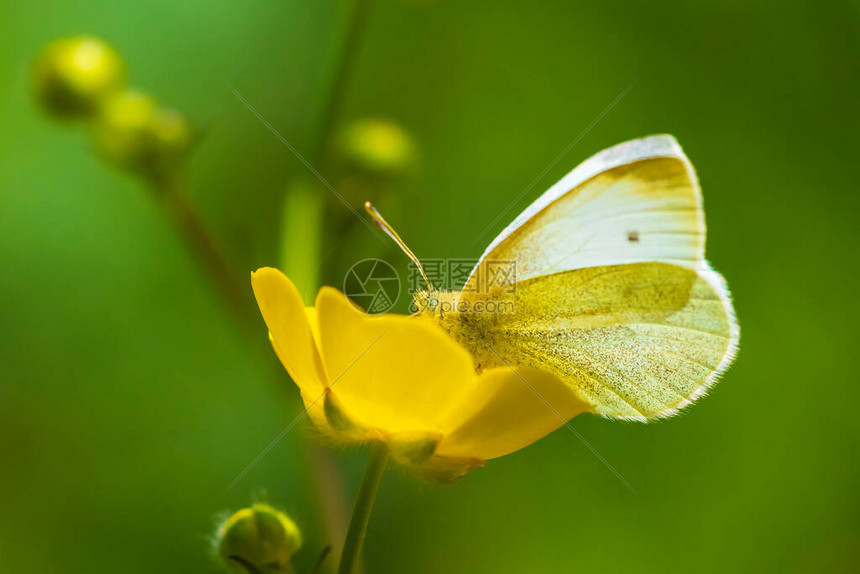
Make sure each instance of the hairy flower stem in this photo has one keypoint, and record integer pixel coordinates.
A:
(363, 506)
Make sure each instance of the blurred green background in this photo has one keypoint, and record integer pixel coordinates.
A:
(129, 400)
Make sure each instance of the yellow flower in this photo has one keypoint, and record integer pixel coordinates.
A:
(403, 381)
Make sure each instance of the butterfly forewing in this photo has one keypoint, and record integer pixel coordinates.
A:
(638, 201)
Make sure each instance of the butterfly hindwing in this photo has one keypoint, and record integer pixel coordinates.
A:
(638, 341)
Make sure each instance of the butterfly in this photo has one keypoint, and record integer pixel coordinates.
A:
(602, 282)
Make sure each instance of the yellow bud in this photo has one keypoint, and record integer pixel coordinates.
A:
(261, 536)
(72, 76)
(133, 133)
(378, 147)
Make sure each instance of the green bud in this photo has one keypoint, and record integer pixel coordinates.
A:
(72, 76)
(123, 131)
(377, 147)
(260, 536)
(134, 134)
(173, 136)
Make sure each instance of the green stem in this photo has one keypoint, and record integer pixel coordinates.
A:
(363, 506)
(173, 197)
(305, 202)
(301, 236)
(340, 71)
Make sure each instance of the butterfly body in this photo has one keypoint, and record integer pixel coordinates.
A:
(447, 309)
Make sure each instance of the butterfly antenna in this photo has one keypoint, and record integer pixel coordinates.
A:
(386, 227)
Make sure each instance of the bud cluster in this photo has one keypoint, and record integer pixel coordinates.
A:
(84, 79)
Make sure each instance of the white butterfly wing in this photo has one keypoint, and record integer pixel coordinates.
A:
(635, 202)
(612, 291)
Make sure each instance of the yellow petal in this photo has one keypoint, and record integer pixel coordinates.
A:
(291, 334)
(311, 314)
(391, 372)
(506, 411)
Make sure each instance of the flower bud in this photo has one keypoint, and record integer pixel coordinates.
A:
(72, 76)
(260, 536)
(122, 132)
(377, 147)
(134, 134)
